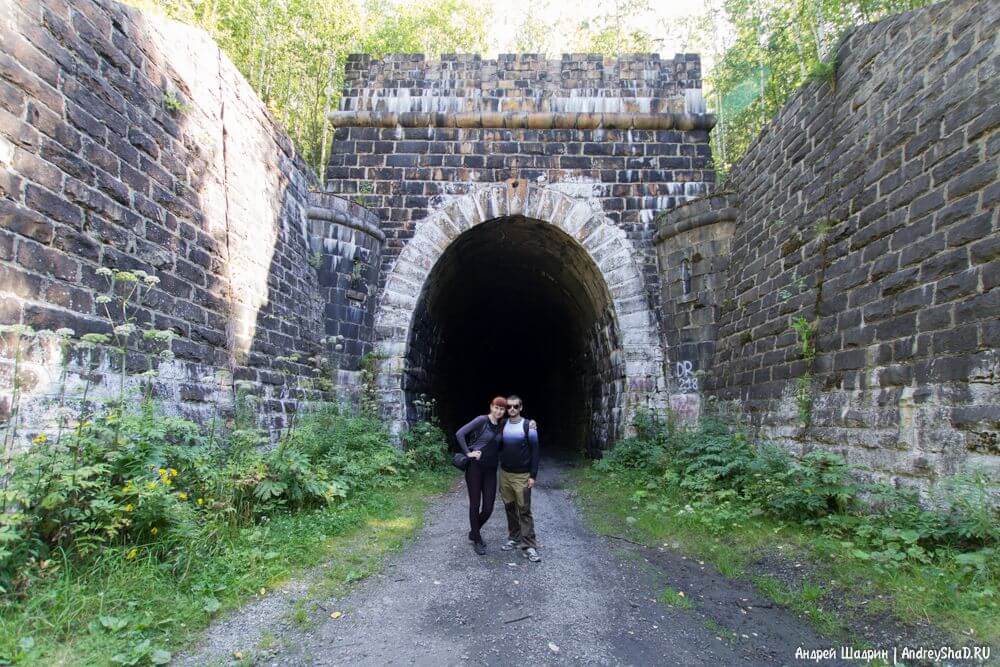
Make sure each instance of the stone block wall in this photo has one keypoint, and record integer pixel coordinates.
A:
(574, 140)
(346, 246)
(693, 246)
(870, 210)
(133, 143)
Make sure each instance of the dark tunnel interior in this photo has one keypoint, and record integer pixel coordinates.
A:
(517, 306)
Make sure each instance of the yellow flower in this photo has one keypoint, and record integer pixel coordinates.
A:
(200, 501)
(151, 485)
(154, 530)
(173, 472)
(132, 554)
(182, 495)
(40, 439)
(128, 508)
(162, 472)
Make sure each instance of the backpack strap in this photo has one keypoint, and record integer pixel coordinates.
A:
(526, 437)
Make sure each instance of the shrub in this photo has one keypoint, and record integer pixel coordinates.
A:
(647, 450)
(713, 457)
(630, 454)
(817, 486)
(425, 446)
(157, 484)
(725, 479)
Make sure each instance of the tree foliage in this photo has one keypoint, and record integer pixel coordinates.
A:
(615, 30)
(757, 52)
(293, 51)
(771, 49)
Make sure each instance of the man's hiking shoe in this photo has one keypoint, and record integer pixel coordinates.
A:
(509, 544)
(479, 547)
(531, 555)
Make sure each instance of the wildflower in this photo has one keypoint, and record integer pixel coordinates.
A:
(182, 495)
(152, 280)
(161, 472)
(166, 355)
(133, 552)
(40, 439)
(126, 277)
(128, 507)
(96, 338)
(200, 501)
(151, 485)
(65, 332)
(159, 334)
(104, 298)
(125, 329)
(19, 329)
(338, 347)
(173, 472)
(103, 271)
(154, 530)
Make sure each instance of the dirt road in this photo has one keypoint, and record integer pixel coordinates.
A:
(592, 600)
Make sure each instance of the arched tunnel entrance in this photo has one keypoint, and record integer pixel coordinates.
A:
(515, 305)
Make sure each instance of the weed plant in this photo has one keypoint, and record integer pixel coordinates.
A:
(144, 500)
(716, 489)
(128, 528)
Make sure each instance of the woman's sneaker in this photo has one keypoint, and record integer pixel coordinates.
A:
(531, 555)
(479, 547)
(509, 545)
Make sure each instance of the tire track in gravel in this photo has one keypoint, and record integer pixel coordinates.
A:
(438, 603)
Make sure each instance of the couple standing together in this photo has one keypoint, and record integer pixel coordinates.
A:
(503, 438)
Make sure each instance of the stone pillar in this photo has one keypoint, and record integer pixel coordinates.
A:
(693, 243)
(346, 245)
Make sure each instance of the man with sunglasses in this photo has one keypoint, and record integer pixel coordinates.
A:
(518, 471)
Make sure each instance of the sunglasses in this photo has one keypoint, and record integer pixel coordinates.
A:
(513, 407)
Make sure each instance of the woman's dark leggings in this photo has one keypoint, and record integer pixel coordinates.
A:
(482, 485)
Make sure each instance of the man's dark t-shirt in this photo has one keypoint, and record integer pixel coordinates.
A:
(519, 450)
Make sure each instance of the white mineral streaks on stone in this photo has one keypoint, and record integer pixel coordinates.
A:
(694, 101)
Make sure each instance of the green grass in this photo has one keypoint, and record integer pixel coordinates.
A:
(675, 598)
(60, 621)
(934, 593)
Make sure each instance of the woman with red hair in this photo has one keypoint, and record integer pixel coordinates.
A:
(480, 441)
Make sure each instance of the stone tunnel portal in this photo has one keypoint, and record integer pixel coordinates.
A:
(515, 305)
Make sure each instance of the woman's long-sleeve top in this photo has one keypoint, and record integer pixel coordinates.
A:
(486, 439)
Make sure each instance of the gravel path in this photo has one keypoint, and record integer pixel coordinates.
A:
(590, 601)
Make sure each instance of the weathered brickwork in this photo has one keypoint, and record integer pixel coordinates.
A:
(693, 246)
(593, 146)
(521, 224)
(405, 172)
(134, 144)
(578, 264)
(870, 210)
